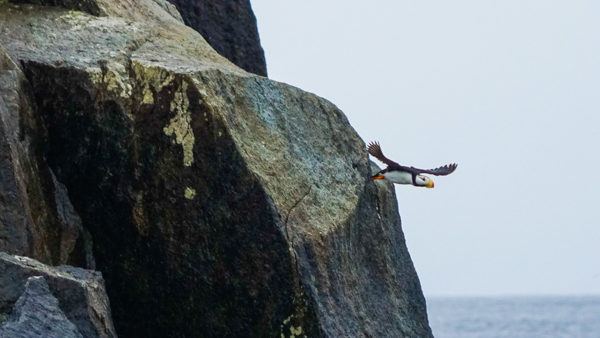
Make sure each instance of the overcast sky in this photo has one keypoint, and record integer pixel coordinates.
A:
(508, 89)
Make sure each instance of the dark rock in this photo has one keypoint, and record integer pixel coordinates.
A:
(37, 314)
(229, 26)
(81, 299)
(220, 203)
(89, 6)
(36, 215)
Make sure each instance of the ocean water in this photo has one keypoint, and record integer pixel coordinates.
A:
(514, 317)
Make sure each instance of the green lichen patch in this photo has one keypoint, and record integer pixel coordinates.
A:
(189, 193)
(180, 126)
(150, 79)
(112, 78)
(295, 331)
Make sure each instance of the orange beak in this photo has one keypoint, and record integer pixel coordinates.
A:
(378, 177)
(430, 184)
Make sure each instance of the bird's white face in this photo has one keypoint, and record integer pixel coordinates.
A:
(424, 181)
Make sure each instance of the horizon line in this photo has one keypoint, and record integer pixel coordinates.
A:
(515, 295)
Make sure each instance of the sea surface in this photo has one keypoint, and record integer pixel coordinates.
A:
(514, 317)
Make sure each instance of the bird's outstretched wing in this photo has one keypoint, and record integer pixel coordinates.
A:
(440, 171)
(375, 150)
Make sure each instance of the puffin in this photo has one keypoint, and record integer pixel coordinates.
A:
(400, 174)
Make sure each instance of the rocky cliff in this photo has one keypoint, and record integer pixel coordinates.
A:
(214, 202)
(229, 26)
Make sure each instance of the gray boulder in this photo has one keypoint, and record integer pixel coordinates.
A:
(52, 302)
(37, 314)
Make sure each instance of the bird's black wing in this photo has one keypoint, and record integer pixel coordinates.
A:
(440, 171)
(375, 150)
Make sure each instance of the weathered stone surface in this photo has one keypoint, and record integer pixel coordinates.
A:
(81, 297)
(37, 314)
(36, 215)
(126, 8)
(229, 26)
(89, 6)
(220, 203)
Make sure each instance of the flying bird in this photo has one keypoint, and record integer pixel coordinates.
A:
(406, 175)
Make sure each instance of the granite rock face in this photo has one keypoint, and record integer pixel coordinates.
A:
(229, 26)
(219, 203)
(37, 314)
(43, 301)
(36, 215)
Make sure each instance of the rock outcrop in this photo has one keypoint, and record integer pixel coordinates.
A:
(229, 27)
(37, 314)
(41, 301)
(219, 203)
(36, 216)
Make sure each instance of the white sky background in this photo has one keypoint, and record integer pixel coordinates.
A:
(508, 89)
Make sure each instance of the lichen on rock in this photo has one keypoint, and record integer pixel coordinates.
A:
(112, 79)
(190, 193)
(218, 201)
(179, 126)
